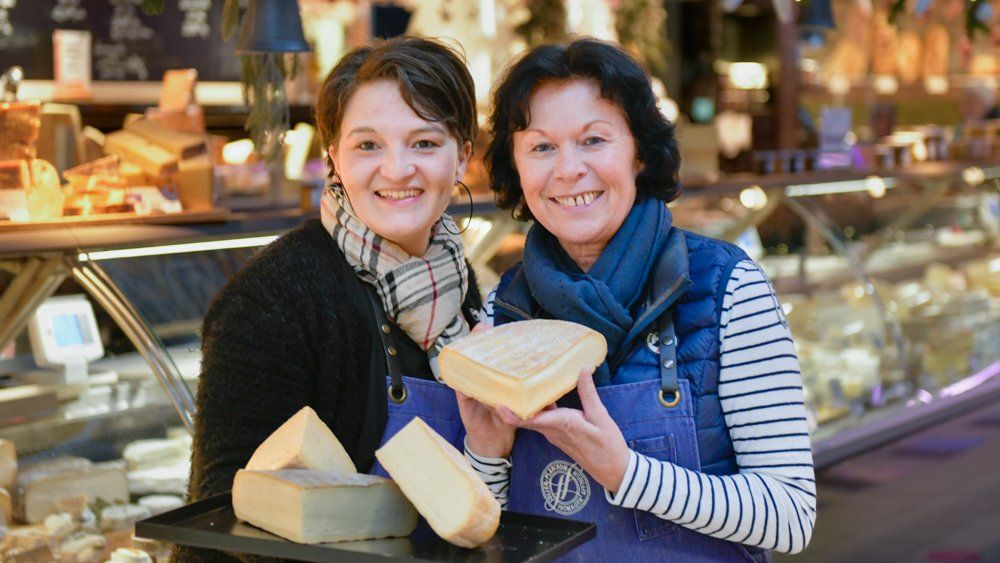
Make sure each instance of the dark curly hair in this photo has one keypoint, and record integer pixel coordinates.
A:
(432, 77)
(622, 82)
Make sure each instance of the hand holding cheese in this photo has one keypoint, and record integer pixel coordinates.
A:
(524, 366)
(590, 437)
(441, 484)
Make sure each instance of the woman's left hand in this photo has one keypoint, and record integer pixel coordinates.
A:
(590, 437)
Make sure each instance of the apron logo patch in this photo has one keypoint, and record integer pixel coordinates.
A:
(565, 487)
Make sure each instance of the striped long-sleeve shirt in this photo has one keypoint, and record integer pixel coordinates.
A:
(771, 502)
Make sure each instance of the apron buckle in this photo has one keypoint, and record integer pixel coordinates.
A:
(663, 400)
(399, 398)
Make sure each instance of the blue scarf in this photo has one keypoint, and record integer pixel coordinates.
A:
(605, 298)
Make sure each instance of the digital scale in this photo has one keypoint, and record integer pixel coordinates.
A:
(64, 340)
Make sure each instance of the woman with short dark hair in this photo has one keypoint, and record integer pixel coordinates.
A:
(695, 425)
(376, 286)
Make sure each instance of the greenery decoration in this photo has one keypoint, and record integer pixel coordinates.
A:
(545, 24)
(641, 27)
(264, 77)
(973, 22)
(152, 7)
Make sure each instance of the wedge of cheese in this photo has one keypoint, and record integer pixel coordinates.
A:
(8, 463)
(303, 441)
(155, 162)
(6, 508)
(39, 489)
(307, 506)
(524, 365)
(441, 484)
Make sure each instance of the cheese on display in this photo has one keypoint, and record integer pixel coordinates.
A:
(307, 506)
(39, 490)
(130, 555)
(8, 463)
(303, 441)
(158, 504)
(155, 162)
(122, 516)
(441, 484)
(524, 366)
(6, 508)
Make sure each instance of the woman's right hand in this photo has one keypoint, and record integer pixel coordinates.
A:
(485, 433)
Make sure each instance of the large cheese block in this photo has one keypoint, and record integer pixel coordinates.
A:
(6, 508)
(196, 183)
(8, 463)
(441, 484)
(524, 365)
(143, 454)
(156, 162)
(303, 441)
(39, 489)
(307, 506)
(182, 145)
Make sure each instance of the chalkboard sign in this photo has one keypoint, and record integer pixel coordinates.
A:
(127, 44)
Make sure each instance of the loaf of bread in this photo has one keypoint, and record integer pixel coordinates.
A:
(524, 365)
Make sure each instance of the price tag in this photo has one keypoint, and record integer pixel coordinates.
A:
(71, 53)
(833, 148)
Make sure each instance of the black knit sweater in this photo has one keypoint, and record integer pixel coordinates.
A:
(292, 328)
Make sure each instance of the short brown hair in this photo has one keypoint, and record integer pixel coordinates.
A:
(432, 77)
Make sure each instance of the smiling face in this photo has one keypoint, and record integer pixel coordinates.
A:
(397, 169)
(577, 165)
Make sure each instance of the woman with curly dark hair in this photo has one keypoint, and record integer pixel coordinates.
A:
(695, 425)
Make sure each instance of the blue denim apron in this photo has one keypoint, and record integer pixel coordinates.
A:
(656, 417)
(409, 397)
(434, 402)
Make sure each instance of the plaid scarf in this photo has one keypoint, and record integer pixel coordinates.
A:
(423, 295)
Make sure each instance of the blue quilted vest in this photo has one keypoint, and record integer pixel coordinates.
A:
(691, 276)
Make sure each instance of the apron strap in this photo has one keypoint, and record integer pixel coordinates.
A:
(670, 394)
(397, 391)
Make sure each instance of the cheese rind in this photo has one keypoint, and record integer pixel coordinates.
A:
(441, 485)
(6, 508)
(8, 463)
(307, 506)
(524, 366)
(38, 490)
(303, 441)
(155, 162)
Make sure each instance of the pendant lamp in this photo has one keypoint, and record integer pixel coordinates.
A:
(271, 26)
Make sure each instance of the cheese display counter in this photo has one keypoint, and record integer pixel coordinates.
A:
(891, 285)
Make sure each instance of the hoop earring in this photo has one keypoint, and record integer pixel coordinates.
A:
(469, 222)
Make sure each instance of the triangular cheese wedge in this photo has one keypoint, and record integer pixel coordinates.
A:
(303, 441)
(441, 485)
(524, 365)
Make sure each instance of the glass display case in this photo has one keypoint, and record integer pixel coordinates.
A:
(891, 285)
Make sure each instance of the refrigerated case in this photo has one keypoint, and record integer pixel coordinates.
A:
(891, 285)
(150, 285)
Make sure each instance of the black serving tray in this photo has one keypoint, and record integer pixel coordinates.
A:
(211, 523)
